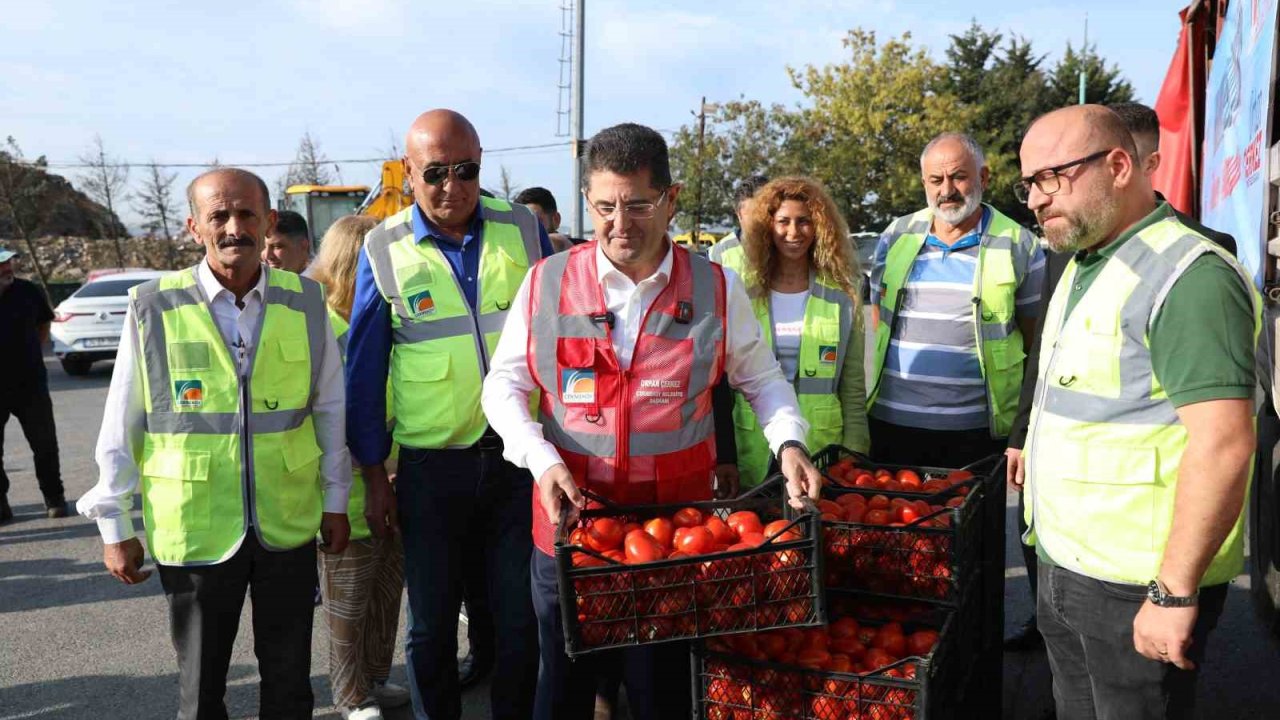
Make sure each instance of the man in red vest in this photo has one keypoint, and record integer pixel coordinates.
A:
(625, 337)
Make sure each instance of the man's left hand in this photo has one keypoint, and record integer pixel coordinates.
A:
(335, 531)
(1164, 633)
(802, 477)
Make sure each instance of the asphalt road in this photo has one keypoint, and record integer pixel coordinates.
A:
(75, 643)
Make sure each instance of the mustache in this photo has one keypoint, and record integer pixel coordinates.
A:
(232, 241)
(957, 197)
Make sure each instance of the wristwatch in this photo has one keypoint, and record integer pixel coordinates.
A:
(1159, 596)
(792, 444)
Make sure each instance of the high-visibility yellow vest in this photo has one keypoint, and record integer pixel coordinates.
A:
(729, 253)
(995, 286)
(220, 453)
(1105, 443)
(829, 318)
(440, 349)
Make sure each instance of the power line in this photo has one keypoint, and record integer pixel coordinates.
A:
(354, 161)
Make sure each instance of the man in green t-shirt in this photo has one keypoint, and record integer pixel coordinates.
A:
(1141, 431)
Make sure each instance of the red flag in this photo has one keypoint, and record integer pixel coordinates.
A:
(1175, 176)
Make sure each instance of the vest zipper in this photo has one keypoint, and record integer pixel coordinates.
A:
(1038, 407)
(246, 446)
(622, 461)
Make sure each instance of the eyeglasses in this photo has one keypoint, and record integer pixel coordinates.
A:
(642, 210)
(1049, 180)
(464, 171)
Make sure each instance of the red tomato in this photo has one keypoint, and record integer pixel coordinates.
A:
(921, 642)
(866, 635)
(641, 548)
(772, 645)
(864, 480)
(826, 707)
(877, 517)
(616, 555)
(850, 646)
(581, 559)
(813, 658)
(878, 502)
(721, 531)
(955, 502)
(628, 527)
(778, 529)
(895, 644)
(842, 628)
(752, 539)
(662, 530)
(697, 541)
(907, 514)
(604, 534)
(908, 479)
(877, 658)
(744, 521)
(830, 506)
(578, 537)
(687, 517)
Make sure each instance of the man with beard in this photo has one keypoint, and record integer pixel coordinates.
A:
(226, 410)
(955, 288)
(1141, 434)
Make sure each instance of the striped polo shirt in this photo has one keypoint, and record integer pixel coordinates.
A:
(932, 377)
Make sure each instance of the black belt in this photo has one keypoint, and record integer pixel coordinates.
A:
(490, 441)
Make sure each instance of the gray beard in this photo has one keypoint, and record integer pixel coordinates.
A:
(955, 217)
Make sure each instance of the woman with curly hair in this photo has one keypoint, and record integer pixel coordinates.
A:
(802, 276)
(363, 584)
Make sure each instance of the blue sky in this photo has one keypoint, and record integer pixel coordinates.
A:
(188, 82)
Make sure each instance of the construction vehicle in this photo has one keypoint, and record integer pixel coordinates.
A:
(1220, 161)
(321, 205)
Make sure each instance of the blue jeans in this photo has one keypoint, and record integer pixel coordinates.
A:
(1088, 629)
(459, 507)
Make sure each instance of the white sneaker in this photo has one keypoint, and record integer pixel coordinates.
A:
(390, 695)
(368, 712)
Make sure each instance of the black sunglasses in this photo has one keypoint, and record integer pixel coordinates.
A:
(464, 171)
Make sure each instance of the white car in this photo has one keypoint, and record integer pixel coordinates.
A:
(86, 326)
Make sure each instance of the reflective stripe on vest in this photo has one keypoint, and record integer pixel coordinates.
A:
(829, 317)
(1105, 443)
(641, 436)
(729, 253)
(440, 348)
(1004, 246)
(198, 491)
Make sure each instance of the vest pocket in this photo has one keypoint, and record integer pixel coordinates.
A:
(176, 489)
(426, 387)
(290, 381)
(1114, 490)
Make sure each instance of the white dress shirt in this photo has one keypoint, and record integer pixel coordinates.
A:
(120, 440)
(749, 363)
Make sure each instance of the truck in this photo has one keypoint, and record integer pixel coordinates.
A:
(1220, 162)
(321, 205)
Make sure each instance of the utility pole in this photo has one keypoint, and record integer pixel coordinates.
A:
(1083, 54)
(697, 196)
(579, 10)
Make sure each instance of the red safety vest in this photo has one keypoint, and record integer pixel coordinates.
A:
(645, 435)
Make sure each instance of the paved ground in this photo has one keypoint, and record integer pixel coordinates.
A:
(74, 643)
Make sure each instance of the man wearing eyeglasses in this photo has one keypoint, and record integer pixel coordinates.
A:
(433, 287)
(1141, 432)
(955, 288)
(624, 338)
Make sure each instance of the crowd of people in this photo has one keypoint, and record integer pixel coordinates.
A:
(424, 400)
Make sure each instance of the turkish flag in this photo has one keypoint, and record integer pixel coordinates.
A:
(1175, 177)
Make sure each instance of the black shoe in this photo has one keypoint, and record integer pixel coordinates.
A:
(6, 512)
(56, 510)
(1027, 638)
(472, 670)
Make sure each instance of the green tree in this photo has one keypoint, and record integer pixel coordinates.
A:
(870, 118)
(1103, 83)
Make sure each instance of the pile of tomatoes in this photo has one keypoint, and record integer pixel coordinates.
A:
(846, 473)
(741, 691)
(723, 591)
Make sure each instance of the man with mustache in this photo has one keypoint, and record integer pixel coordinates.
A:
(433, 286)
(226, 409)
(955, 288)
(1141, 434)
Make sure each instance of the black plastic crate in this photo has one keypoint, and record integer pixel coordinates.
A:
(730, 686)
(973, 474)
(612, 604)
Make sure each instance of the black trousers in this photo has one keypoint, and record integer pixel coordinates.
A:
(459, 508)
(34, 410)
(656, 676)
(1088, 629)
(903, 445)
(204, 616)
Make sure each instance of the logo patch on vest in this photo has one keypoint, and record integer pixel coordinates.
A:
(190, 393)
(827, 354)
(421, 303)
(578, 386)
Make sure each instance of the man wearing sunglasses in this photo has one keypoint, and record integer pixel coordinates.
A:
(1141, 431)
(433, 287)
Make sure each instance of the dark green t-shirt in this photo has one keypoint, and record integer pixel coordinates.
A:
(1202, 338)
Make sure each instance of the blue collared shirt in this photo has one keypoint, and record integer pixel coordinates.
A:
(369, 339)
